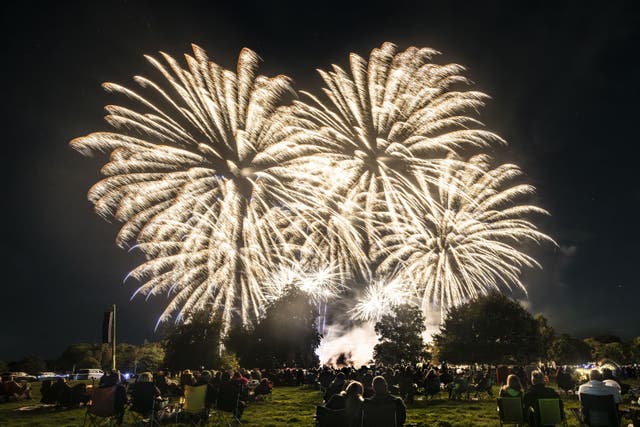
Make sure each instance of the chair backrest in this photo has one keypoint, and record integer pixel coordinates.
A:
(378, 415)
(194, 398)
(143, 397)
(103, 402)
(510, 410)
(549, 413)
(330, 417)
(229, 396)
(599, 411)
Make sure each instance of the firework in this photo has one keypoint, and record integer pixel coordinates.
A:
(204, 180)
(236, 197)
(388, 120)
(380, 298)
(467, 238)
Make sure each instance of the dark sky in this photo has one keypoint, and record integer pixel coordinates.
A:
(564, 80)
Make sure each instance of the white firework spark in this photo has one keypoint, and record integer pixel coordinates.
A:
(467, 238)
(388, 120)
(380, 298)
(320, 285)
(204, 181)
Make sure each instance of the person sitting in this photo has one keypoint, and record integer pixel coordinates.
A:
(48, 396)
(350, 400)
(61, 392)
(596, 387)
(12, 390)
(232, 396)
(538, 390)
(336, 386)
(143, 394)
(374, 409)
(459, 386)
(263, 389)
(565, 380)
(212, 391)
(114, 380)
(513, 387)
(609, 380)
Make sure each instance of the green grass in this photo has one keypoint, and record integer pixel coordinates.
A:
(292, 407)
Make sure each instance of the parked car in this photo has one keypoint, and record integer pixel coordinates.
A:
(89, 374)
(18, 376)
(46, 376)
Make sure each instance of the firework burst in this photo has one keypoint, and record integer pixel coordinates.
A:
(204, 180)
(467, 238)
(387, 120)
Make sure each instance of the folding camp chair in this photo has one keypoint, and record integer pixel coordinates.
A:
(326, 417)
(144, 408)
(598, 411)
(510, 411)
(379, 415)
(547, 412)
(101, 409)
(228, 405)
(194, 410)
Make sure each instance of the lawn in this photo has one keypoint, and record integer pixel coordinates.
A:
(291, 406)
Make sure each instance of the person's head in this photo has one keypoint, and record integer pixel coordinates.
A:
(340, 377)
(595, 375)
(354, 389)
(514, 382)
(205, 376)
(380, 385)
(145, 377)
(607, 374)
(537, 377)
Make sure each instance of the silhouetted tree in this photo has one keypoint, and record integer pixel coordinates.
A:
(489, 329)
(547, 335)
(566, 350)
(193, 343)
(286, 335)
(400, 335)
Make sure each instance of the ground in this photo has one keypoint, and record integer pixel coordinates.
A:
(293, 407)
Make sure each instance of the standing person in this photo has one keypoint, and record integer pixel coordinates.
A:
(382, 405)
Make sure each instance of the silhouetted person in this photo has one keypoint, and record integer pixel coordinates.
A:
(351, 401)
(538, 390)
(377, 410)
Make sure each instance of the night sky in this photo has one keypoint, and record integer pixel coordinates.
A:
(564, 80)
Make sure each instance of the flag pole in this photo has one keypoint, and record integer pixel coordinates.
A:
(113, 341)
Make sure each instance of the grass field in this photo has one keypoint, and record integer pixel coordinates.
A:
(290, 407)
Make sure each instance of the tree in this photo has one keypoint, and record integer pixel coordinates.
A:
(607, 347)
(287, 335)
(29, 363)
(566, 350)
(547, 335)
(146, 357)
(400, 335)
(193, 343)
(83, 355)
(489, 329)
